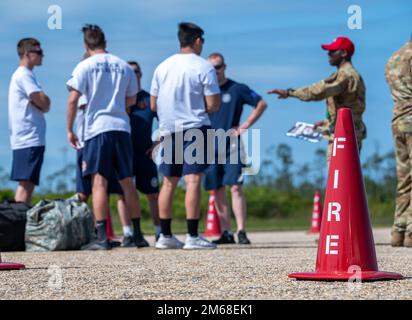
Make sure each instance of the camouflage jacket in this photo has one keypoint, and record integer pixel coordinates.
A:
(344, 88)
(398, 73)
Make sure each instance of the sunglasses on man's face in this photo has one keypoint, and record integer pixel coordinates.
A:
(219, 66)
(39, 52)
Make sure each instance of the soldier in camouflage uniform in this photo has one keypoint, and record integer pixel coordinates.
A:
(344, 88)
(399, 77)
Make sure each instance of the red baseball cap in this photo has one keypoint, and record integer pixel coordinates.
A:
(341, 43)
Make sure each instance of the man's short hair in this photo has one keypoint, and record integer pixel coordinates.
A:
(26, 45)
(133, 63)
(94, 37)
(188, 33)
(217, 55)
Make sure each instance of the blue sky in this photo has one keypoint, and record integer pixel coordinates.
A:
(267, 44)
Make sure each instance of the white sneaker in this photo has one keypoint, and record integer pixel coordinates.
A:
(194, 243)
(168, 242)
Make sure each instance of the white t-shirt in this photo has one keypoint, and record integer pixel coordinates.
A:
(27, 123)
(180, 84)
(105, 80)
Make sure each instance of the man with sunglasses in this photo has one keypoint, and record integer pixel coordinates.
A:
(27, 106)
(234, 97)
(344, 88)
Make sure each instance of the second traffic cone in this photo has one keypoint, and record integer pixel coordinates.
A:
(346, 240)
(316, 214)
(109, 227)
(212, 219)
(10, 265)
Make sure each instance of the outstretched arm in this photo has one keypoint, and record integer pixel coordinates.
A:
(317, 91)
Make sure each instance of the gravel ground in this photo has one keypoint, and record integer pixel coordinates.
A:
(258, 271)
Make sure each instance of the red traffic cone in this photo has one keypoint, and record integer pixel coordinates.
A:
(10, 265)
(109, 227)
(346, 240)
(316, 214)
(212, 219)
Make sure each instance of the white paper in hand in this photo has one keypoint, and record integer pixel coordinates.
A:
(304, 131)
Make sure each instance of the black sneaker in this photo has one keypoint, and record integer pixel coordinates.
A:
(225, 238)
(140, 241)
(97, 245)
(128, 242)
(242, 237)
(115, 243)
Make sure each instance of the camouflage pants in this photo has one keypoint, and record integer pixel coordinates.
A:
(403, 149)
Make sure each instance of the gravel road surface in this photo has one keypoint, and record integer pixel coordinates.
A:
(258, 271)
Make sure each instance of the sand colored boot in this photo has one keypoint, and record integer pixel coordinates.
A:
(397, 239)
(407, 242)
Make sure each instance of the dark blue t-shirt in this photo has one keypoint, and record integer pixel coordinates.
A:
(141, 121)
(234, 96)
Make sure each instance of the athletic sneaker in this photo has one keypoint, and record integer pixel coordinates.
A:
(97, 245)
(114, 243)
(128, 242)
(168, 242)
(157, 236)
(194, 243)
(225, 238)
(140, 241)
(242, 237)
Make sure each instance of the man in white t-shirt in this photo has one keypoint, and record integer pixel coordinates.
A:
(109, 85)
(27, 106)
(184, 90)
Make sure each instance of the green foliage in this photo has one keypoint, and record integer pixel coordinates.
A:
(281, 194)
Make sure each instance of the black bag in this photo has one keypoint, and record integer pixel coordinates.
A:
(12, 225)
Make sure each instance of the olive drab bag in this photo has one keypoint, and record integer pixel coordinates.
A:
(59, 225)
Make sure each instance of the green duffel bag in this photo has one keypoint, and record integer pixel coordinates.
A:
(59, 225)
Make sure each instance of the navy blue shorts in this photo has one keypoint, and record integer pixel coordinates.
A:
(84, 184)
(145, 172)
(27, 164)
(219, 175)
(108, 153)
(225, 174)
(175, 162)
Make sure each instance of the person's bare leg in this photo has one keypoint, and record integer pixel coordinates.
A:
(153, 200)
(192, 198)
(125, 219)
(24, 192)
(166, 197)
(131, 197)
(100, 197)
(222, 208)
(239, 206)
